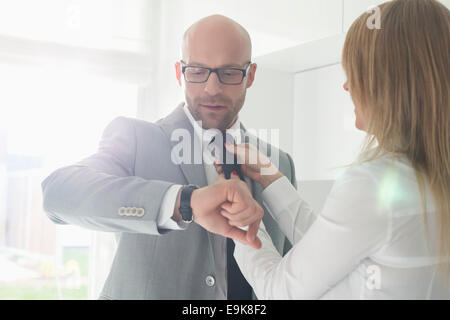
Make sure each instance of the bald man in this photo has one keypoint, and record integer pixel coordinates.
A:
(162, 203)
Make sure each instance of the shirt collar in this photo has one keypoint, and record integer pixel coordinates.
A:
(234, 130)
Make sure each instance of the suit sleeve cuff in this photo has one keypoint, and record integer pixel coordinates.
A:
(165, 220)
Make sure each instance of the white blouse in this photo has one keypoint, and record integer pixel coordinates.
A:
(369, 242)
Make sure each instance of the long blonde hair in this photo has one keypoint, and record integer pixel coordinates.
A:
(400, 75)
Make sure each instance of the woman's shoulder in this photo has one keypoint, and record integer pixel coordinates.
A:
(379, 168)
(390, 177)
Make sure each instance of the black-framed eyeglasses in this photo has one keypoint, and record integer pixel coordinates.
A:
(227, 75)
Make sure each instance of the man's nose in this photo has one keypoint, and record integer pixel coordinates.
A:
(213, 85)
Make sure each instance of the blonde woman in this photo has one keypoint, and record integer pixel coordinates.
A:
(384, 229)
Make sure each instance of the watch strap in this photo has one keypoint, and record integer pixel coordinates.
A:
(185, 202)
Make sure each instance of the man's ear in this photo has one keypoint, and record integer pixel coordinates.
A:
(251, 74)
(178, 72)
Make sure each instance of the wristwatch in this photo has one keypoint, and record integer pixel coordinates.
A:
(185, 202)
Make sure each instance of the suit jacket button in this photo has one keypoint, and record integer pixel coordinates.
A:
(210, 281)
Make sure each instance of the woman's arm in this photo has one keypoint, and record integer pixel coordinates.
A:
(350, 228)
(293, 215)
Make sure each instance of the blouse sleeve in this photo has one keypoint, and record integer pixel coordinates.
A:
(293, 215)
(351, 227)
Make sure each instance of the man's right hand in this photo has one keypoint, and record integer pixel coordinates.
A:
(208, 205)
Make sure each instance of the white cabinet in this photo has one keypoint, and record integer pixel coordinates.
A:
(268, 106)
(321, 119)
(324, 136)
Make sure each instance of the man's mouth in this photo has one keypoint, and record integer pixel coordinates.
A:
(213, 107)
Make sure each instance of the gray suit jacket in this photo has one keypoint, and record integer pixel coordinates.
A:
(133, 168)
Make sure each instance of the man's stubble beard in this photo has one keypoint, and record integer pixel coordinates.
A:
(226, 122)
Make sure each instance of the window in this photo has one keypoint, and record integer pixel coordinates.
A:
(49, 117)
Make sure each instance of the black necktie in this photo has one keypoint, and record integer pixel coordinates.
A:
(238, 287)
(229, 161)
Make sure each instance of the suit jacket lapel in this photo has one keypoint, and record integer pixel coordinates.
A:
(256, 188)
(193, 172)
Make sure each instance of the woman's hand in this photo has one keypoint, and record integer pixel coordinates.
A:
(254, 164)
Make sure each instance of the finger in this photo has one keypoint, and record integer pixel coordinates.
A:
(242, 223)
(256, 244)
(239, 150)
(238, 234)
(219, 169)
(241, 219)
(233, 216)
(234, 176)
(235, 207)
(227, 207)
(253, 221)
(231, 147)
(241, 236)
(253, 230)
(220, 178)
(218, 166)
(233, 219)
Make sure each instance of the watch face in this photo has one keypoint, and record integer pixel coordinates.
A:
(186, 214)
(187, 221)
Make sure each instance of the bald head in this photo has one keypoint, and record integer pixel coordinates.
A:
(216, 42)
(218, 34)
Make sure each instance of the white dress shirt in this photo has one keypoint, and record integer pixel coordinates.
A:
(369, 242)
